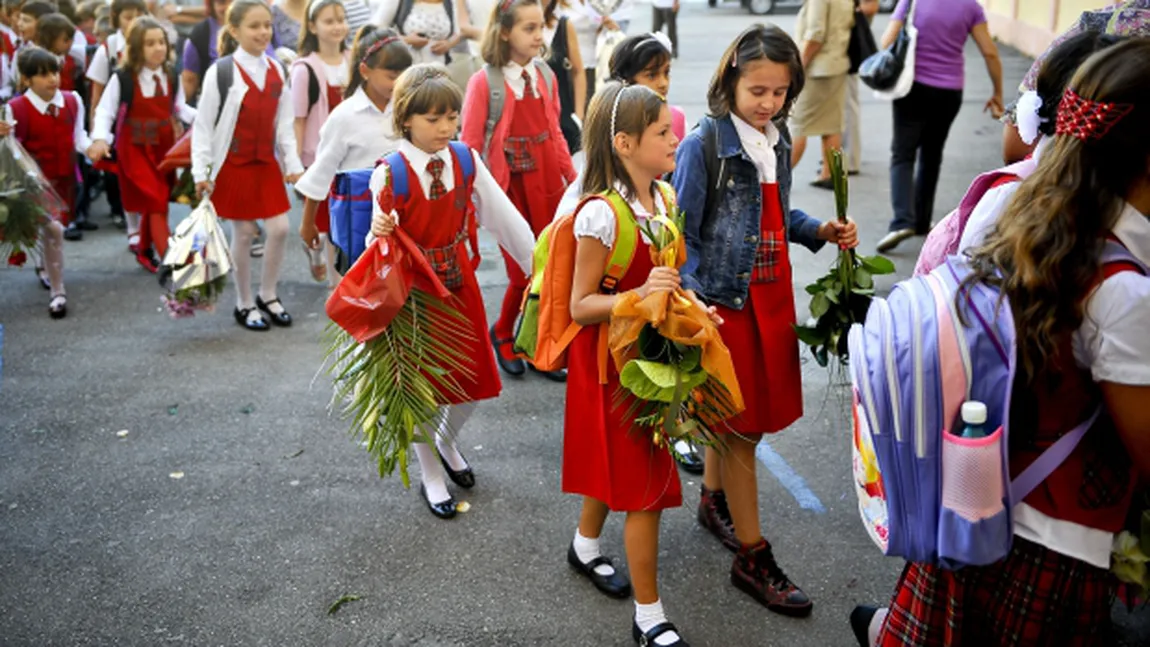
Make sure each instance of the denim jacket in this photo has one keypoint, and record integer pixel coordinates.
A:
(721, 246)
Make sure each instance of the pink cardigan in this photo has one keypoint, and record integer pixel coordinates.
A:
(475, 122)
(321, 109)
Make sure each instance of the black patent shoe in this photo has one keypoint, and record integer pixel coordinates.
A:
(690, 460)
(42, 277)
(648, 638)
(559, 376)
(72, 232)
(83, 224)
(615, 585)
(282, 319)
(464, 478)
(58, 307)
(443, 509)
(514, 367)
(860, 623)
(259, 325)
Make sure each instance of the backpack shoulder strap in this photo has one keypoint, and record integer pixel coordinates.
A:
(466, 160)
(547, 73)
(626, 240)
(72, 105)
(19, 108)
(312, 84)
(127, 88)
(225, 75)
(397, 174)
(496, 91)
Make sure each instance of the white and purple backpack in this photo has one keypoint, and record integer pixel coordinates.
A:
(926, 494)
(944, 238)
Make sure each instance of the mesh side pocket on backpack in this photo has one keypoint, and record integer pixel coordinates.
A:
(972, 475)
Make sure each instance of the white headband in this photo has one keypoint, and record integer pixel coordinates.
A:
(316, 6)
(615, 108)
(1027, 116)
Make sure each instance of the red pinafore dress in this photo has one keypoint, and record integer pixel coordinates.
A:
(440, 227)
(322, 215)
(605, 456)
(250, 185)
(761, 336)
(50, 140)
(142, 140)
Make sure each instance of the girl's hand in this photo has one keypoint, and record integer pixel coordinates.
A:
(5, 128)
(202, 188)
(382, 224)
(99, 150)
(310, 235)
(292, 178)
(609, 24)
(711, 311)
(415, 41)
(661, 279)
(994, 107)
(845, 236)
(441, 47)
(177, 125)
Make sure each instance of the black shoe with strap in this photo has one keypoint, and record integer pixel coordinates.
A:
(508, 363)
(559, 376)
(756, 573)
(464, 478)
(647, 638)
(258, 325)
(615, 585)
(281, 319)
(443, 509)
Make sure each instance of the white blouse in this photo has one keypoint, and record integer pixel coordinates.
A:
(597, 218)
(428, 18)
(493, 209)
(760, 147)
(513, 75)
(355, 135)
(99, 71)
(211, 141)
(990, 207)
(103, 127)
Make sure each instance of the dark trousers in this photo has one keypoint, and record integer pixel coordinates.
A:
(667, 17)
(922, 121)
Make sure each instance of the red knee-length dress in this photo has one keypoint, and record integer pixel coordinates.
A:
(250, 185)
(322, 215)
(605, 456)
(761, 336)
(440, 227)
(143, 138)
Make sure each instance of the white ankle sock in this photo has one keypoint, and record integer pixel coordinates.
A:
(431, 472)
(647, 616)
(876, 625)
(587, 549)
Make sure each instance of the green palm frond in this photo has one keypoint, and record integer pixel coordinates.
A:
(392, 387)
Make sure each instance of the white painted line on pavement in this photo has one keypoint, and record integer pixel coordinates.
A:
(790, 479)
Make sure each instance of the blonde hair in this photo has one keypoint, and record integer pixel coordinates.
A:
(234, 18)
(423, 89)
(615, 109)
(495, 51)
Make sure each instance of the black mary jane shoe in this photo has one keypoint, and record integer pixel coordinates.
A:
(259, 325)
(83, 224)
(58, 307)
(73, 233)
(690, 461)
(282, 319)
(42, 277)
(514, 367)
(648, 638)
(443, 509)
(464, 478)
(615, 585)
(559, 376)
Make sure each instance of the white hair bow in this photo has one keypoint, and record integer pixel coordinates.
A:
(663, 39)
(1028, 119)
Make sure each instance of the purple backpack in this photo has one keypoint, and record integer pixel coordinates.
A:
(925, 494)
(944, 237)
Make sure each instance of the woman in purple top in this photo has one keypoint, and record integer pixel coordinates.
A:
(200, 48)
(922, 119)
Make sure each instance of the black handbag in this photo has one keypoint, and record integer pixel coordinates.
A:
(561, 65)
(880, 71)
(862, 45)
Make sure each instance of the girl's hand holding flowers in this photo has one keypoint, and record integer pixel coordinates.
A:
(383, 224)
(661, 279)
(845, 235)
(711, 311)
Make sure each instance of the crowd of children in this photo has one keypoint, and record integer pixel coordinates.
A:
(497, 157)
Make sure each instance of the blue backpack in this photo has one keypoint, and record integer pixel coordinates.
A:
(350, 204)
(926, 494)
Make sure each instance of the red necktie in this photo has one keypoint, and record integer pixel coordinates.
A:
(438, 189)
(528, 87)
(159, 86)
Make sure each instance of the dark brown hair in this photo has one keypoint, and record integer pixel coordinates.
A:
(1046, 248)
(1059, 68)
(51, 27)
(134, 55)
(635, 55)
(235, 17)
(34, 61)
(120, 6)
(394, 56)
(423, 89)
(308, 41)
(495, 51)
(88, 9)
(37, 9)
(615, 109)
(756, 43)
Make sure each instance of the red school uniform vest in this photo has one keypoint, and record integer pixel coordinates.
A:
(50, 140)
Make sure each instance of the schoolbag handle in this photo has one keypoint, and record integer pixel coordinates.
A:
(1050, 459)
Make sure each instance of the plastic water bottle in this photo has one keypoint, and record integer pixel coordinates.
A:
(973, 419)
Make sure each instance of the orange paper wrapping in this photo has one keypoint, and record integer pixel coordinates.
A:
(679, 319)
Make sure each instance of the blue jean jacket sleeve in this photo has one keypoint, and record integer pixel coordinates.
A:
(690, 182)
(804, 230)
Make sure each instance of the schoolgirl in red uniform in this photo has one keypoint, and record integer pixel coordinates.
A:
(436, 215)
(234, 146)
(749, 281)
(140, 113)
(525, 149)
(50, 126)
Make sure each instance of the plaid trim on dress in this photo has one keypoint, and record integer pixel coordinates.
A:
(445, 261)
(768, 255)
(518, 151)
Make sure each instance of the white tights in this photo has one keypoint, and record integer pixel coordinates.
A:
(244, 231)
(52, 242)
(450, 420)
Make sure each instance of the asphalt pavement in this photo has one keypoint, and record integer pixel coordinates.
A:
(181, 482)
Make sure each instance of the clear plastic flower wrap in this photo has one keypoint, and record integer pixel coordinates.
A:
(194, 271)
(27, 201)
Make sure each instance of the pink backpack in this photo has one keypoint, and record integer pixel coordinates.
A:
(944, 238)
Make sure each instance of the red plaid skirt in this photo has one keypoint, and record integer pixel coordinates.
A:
(1033, 597)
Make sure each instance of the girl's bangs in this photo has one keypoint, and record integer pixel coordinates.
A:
(436, 96)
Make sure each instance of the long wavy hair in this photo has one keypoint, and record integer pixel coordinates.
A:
(1045, 252)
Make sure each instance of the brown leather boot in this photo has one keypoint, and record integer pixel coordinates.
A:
(716, 517)
(756, 573)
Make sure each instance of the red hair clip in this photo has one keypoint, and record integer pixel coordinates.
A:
(376, 46)
(1088, 120)
(505, 6)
